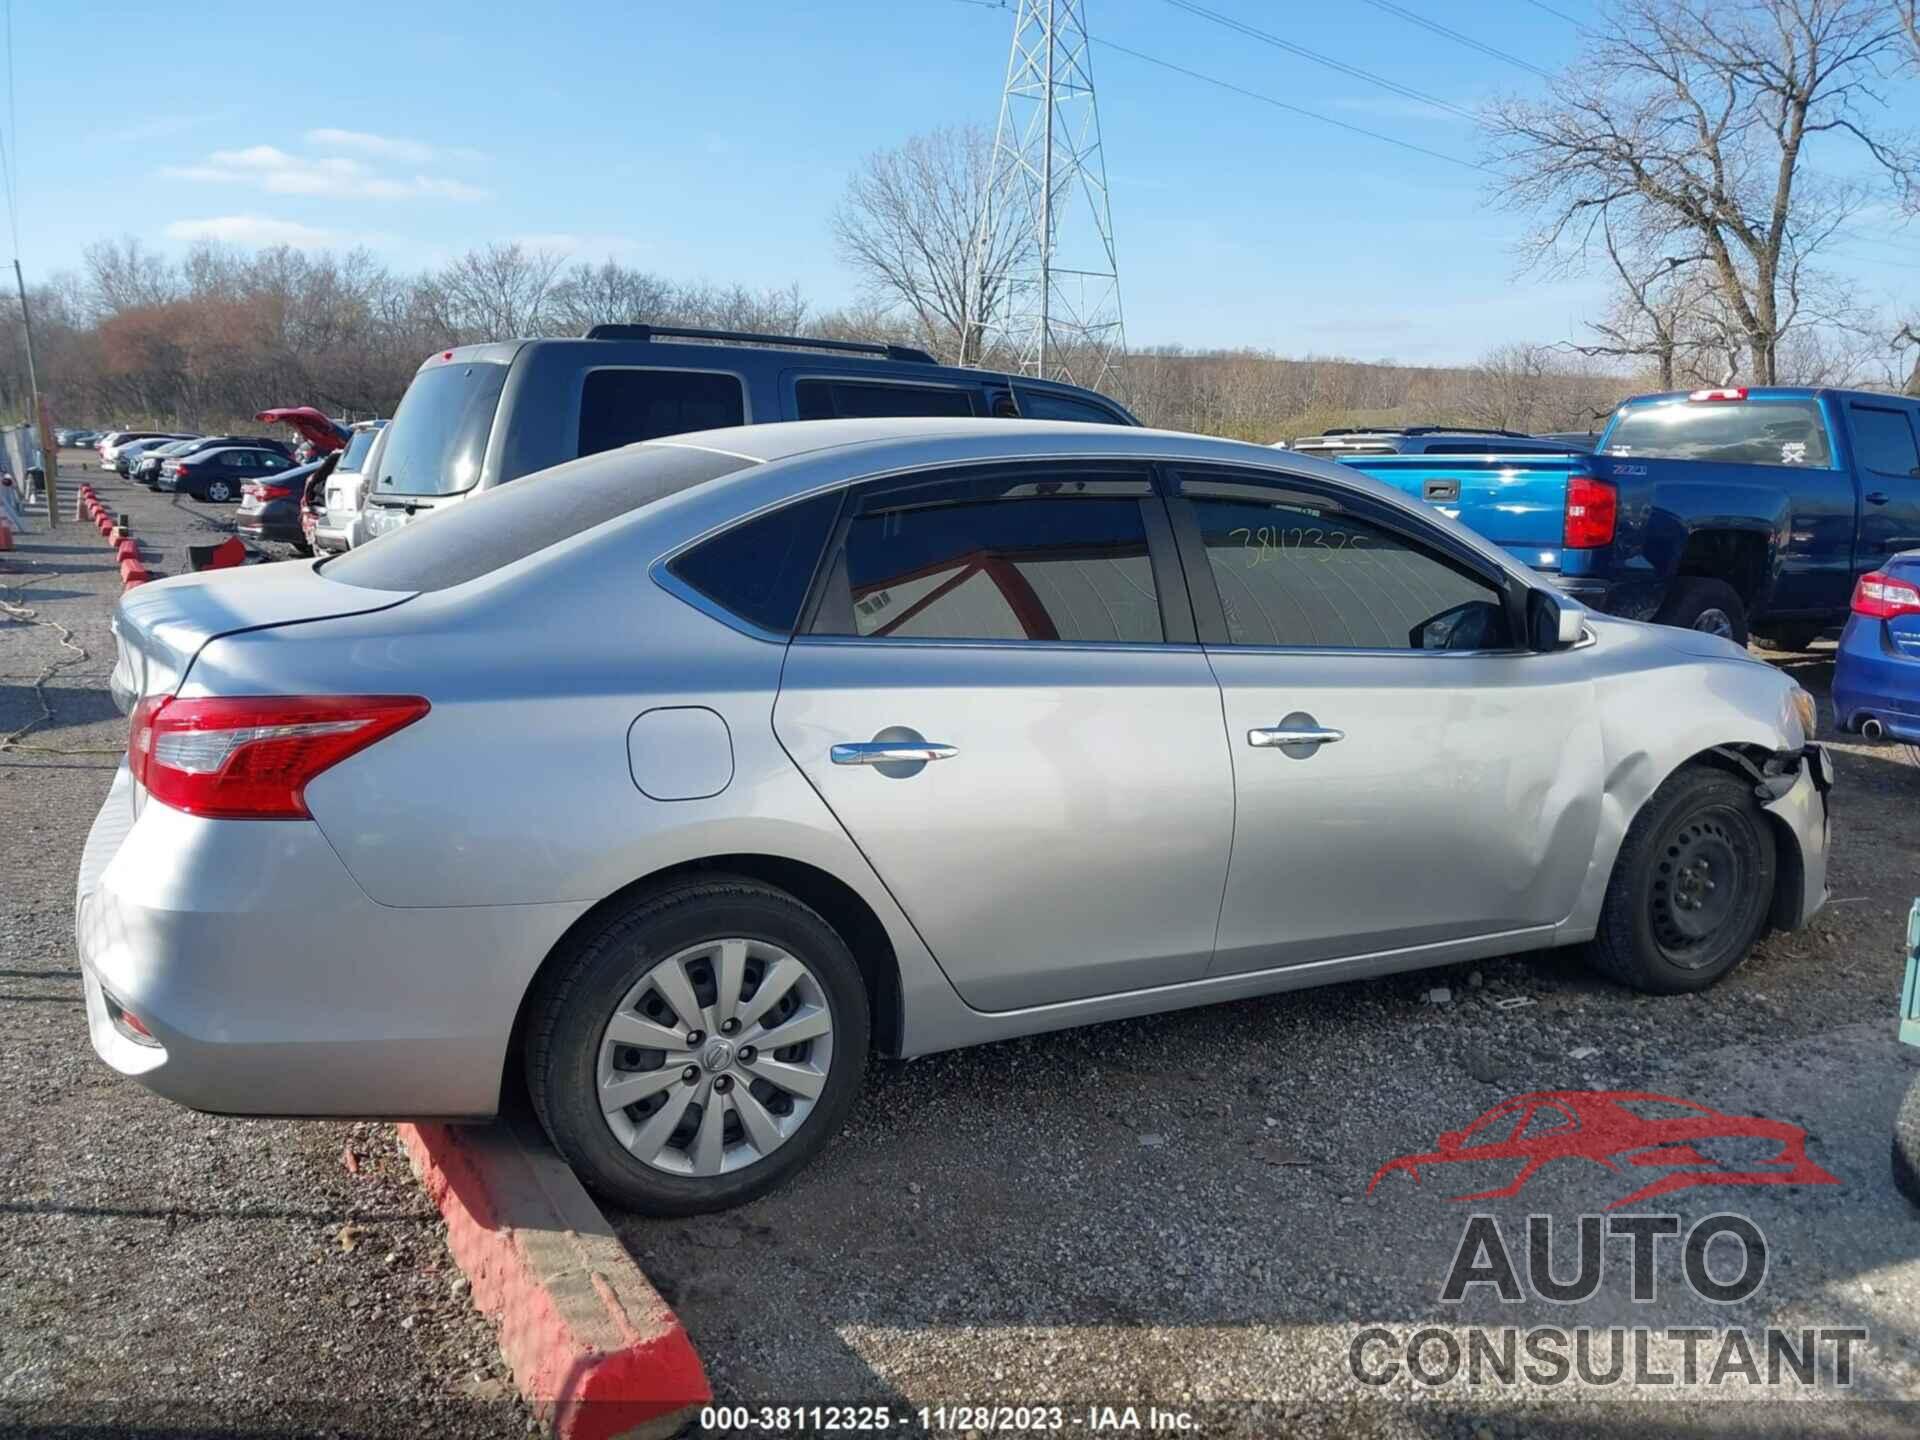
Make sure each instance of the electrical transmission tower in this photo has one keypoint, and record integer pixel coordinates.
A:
(1045, 285)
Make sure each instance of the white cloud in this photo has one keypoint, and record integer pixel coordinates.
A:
(407, 152)
(280, 173)
(253, 231)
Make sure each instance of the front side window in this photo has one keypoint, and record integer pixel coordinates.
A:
(1304, 570)
(1052, 560)
(1884, 439)
(1735, 432)
(848, 399)
(619, 407)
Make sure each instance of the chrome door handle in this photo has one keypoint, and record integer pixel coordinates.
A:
(891, 752)
(1278, 735)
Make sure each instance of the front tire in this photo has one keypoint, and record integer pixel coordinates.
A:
(218, 490)
(647, 1053)
(1691, 887)
(1697, 602)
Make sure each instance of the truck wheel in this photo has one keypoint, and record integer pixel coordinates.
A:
(697, 1046)
(1691, 887)
(1906, 1145)
(1696, 602)
(1795, 639)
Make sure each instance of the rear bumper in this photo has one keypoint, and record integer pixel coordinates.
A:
(1874, 678)
(273, 984)
(331, 537)
(279, 520)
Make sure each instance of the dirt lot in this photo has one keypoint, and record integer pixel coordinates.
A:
(161, 1269)
(1168, 1210)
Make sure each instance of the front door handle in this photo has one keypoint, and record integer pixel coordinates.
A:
(891, 752)
(1319, 735)
(1877, 497)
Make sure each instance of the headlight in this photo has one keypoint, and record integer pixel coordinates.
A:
(1808, 709)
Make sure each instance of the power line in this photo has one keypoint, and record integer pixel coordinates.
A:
(1577, 24)
(1437, 28)
(1278, 104)
(1253, 32)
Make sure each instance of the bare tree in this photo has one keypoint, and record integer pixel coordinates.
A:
(494, 293)
(909, 226)
(1688, 122)
(608, 294)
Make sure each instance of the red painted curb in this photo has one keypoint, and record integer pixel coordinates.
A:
(127, 550)
(132, 572)
(593, 1348)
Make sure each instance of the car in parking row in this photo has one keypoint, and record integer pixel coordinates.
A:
(218, 473)
(881, 734)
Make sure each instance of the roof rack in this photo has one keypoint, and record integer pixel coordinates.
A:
(745, 337)
(1465, 430)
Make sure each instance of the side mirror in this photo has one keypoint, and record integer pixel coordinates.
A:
(1553, 623)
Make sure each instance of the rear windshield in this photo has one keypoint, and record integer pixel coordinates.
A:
(439, 433)
(1737, 432)
(511, 522)
(356, 452)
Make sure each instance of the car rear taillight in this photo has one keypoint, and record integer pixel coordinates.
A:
(1593, 509)
(1722, 392)
(180, 467)
(270, 492)
(251, 759)
(1881, 597)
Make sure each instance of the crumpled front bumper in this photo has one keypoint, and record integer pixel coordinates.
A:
(1805, 810)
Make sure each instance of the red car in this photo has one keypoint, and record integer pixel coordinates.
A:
(1619, 1129)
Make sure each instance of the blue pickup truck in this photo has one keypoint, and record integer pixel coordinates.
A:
(1732, 510)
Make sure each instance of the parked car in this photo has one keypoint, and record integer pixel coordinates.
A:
(1339, 443)
(147, 468)
(342, 523)
(127, 453)
(1736, 511)
(270, 507)
(218, 474)
(1876, 673)
(481, 415)
(771, 745)
(113, 440)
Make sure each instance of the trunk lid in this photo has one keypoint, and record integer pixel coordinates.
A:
(315, 428)
(1905, 567)
(160, 628)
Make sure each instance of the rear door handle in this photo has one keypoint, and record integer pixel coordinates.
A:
(891, 752)
(1877, 497)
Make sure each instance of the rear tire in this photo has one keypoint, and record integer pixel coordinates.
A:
(630, 964)
(1697, 602)
(217, 490)
(1691, 887)
(1906, 1145)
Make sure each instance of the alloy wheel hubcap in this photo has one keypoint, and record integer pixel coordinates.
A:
(716, 1057)
(1715, 622)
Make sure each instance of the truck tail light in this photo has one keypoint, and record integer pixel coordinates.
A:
(1593, 509)
(1881, 597)
(1723, 392)
(251, 759)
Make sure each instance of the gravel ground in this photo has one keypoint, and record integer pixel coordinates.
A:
(1165, 1211)
(159, 1269)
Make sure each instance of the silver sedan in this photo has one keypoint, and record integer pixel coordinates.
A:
(680, 778)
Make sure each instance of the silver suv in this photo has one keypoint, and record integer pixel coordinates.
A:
(343, 525)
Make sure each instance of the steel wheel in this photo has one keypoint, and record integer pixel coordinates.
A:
(715, 1058)
(1715, 621)
(1696, 887)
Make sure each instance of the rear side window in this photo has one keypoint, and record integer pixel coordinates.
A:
(439, 433)
(760, 570)
(619, 407)
(1027, 561)
(1884, 440)
(511, 522)
(1737, 432)
(1048, 405)
(843, 399)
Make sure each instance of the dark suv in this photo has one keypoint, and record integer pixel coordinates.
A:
(481, 415)
(1432, 440)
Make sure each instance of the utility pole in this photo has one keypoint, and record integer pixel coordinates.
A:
(1045, 217)
(37, 421)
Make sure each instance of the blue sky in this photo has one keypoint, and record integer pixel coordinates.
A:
(712, 141)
